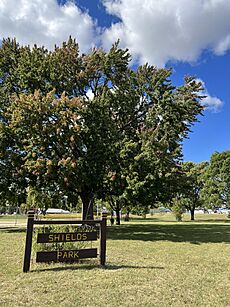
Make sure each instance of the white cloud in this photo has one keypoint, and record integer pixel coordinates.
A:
(157, 31)
(90, 94)
(44, 22)
(223, 45)
(212, 103)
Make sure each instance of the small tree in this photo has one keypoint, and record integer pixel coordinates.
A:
(191, 185)
(178, 207)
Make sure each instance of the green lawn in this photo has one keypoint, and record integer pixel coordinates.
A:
(152, 262)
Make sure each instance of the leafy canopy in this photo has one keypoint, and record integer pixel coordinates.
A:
(89, 124)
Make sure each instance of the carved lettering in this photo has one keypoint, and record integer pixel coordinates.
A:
(51, 238)
(56, 237)
(66, 255)
(59, 254)
(66, 237)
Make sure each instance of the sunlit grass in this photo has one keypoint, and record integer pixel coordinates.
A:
(152, 262)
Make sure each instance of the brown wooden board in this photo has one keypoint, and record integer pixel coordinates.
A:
(66, 222)
(66, 237)
(66, 255)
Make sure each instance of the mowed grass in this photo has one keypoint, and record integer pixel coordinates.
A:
(151, 262)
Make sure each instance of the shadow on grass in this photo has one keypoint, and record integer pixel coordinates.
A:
(109, 267)
(194, 233)
(171, 219)
(11, 229)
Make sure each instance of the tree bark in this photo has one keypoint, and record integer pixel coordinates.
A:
(87, 206)
(192, 211)
(118, 220)
(127, 216)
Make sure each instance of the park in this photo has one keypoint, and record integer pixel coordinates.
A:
(91, 137)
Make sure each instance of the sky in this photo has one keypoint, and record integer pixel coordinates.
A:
(191, 37)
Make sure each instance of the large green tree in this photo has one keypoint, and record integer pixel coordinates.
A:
(149, 163)
(89, 123)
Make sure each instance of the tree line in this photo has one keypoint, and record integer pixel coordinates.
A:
(205, 185)
(89, 127)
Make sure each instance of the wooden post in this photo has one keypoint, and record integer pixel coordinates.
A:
(29, 236)
(103, 239)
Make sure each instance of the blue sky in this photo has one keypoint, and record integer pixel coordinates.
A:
(212, 132)
(192, 37)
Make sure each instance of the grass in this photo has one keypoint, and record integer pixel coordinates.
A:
(152, 262)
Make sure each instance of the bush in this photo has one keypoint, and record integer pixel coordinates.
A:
(178, 208)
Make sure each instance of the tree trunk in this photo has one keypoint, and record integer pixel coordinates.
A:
(127, 216)
(87, 206)
(118, 220)
(192, 211)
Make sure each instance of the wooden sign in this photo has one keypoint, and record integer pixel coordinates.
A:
(66, 255)
(66, 237)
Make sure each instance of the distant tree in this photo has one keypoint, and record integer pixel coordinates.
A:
(179, 207)
(190, 186)
(216, 190)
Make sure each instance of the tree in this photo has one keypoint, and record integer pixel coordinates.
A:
(149, 161)
(216, 190)
(12, 185)
(191, 184)
(37, 69)
(90, 125)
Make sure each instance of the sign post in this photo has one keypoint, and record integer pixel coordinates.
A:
(103, 239)
(29, 236)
